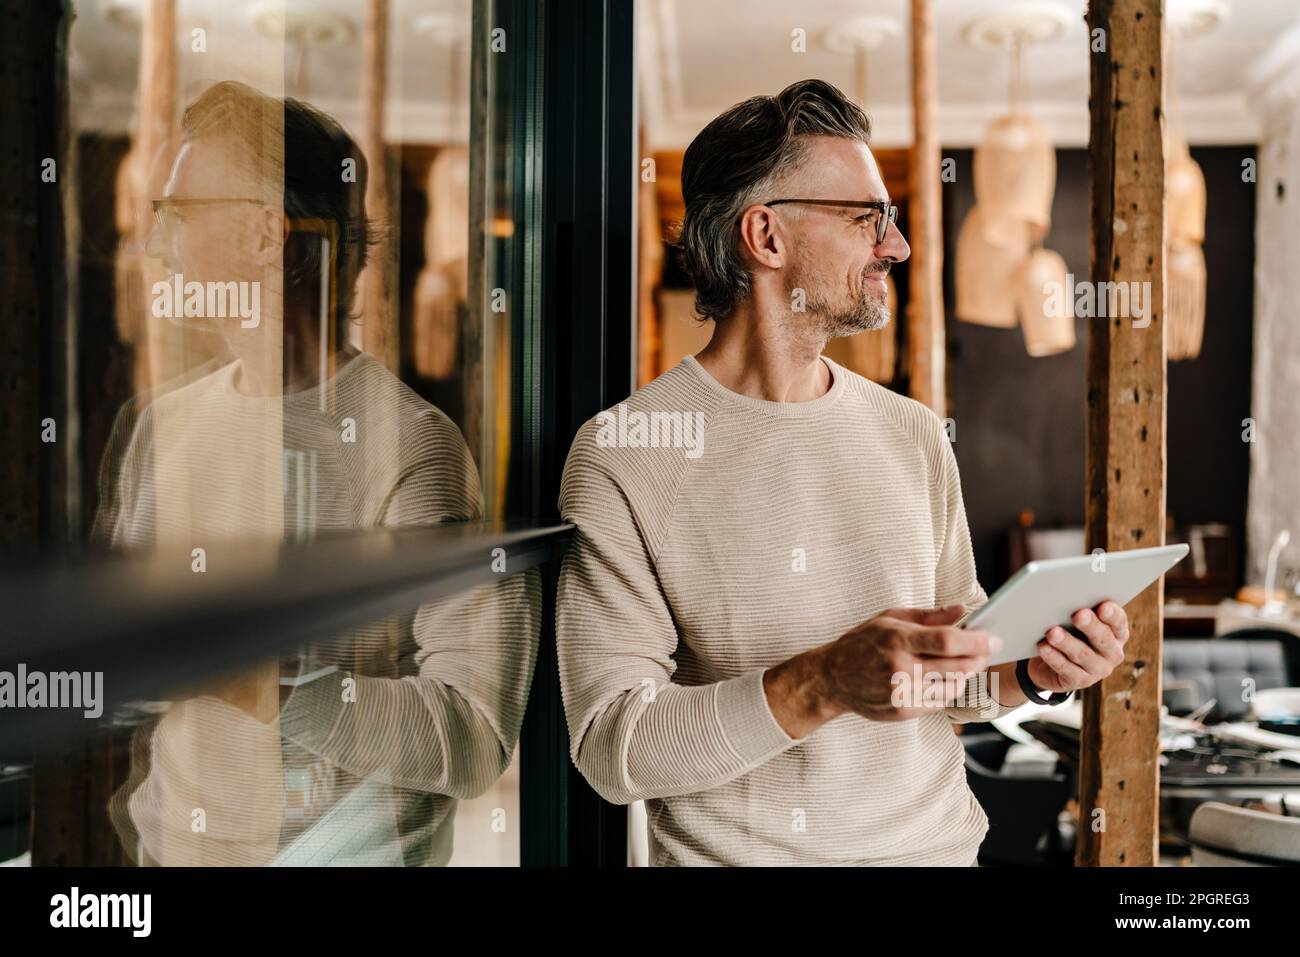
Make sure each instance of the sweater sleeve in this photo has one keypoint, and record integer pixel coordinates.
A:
(635, 734)
(956, 581)
(452, 727)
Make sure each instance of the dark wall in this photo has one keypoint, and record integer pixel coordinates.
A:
(106, 363)
(1209, 464)
(1020, 420)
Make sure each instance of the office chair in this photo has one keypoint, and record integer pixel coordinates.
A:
(1198, 669)
(1023, 809)
(1227, 836)
(1289, 641)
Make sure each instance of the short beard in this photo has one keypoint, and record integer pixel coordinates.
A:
(868, 311)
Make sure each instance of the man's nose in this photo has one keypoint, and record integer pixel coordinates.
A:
(158, 245)
(895, 247)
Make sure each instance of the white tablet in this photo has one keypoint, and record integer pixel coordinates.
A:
(1048, 592)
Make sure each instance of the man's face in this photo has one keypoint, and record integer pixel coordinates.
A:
(220, 241)
(835, 258)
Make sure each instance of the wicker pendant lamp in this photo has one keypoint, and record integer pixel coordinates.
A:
(1184, 257)
(1185, 277)
(1185, 272)
(1015, 165)
(1185, 196)
(985, 272)
(1042, 300)
(441, 288)
(1015, 178)
(1015, 181)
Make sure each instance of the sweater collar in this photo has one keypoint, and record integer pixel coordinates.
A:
(767, 407)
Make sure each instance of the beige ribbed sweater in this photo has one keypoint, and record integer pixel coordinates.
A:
(439, 693)
(683, 585)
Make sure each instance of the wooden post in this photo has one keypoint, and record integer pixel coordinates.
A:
(379, 322)
(38, 427)
(925, 333)
(70, 789)
(1119, 770)
(160, 358)
(157, 116)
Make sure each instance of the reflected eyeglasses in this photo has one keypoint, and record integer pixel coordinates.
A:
(886, 213)
(162, 206)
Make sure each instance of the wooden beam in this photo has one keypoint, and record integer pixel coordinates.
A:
(69, 790)
(32, 276)
(925, 333)
(160, 358)
(379, 322)
(1119, 770)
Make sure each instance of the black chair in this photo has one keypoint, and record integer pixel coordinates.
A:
(1289, 641)
(15, 811)
(1023, 809)
(1198, 669)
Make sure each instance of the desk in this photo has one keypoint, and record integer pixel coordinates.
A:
(1213, 771)
(1216, 765)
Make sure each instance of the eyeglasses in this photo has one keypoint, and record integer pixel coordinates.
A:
(885, 213)
(162, 206)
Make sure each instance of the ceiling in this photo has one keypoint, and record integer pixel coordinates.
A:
(695, 58)
(428, 60)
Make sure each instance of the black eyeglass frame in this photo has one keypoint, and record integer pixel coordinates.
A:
(888, 211)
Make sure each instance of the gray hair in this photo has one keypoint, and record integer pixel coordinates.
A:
(730, 164)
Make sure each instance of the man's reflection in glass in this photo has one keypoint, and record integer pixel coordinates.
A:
(355, 751)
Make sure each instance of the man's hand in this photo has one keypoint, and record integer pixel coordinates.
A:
(872, 670)
(1067, 663)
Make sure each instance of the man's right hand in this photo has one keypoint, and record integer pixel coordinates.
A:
(856, 673)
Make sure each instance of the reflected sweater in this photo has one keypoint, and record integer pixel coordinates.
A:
(437, 694)
(702, 562)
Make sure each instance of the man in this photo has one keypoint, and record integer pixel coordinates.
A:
(741, 609)
(356, 750)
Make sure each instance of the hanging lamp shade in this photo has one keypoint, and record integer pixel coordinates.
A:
(440, 288)
(1041, 294)
(1185, 272)
(873, 353)
(1185, 191)
(1185, 306)
(1015, 178)
(984, 271)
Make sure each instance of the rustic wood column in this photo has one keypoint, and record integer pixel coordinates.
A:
(69, 789)
(379, 321)
(156, 135)
(1119, 771)
(925, 333)
(33, 376)
(161, 357)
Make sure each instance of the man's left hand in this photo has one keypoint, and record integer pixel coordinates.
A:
(1067, 663)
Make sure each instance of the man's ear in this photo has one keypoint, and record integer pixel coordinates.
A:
(272, 233)
(761, 237)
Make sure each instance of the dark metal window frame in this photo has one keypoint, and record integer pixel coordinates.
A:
(582, 360)
(572, 344)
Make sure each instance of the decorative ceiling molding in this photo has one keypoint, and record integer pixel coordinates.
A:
(667, 123)
(108, 112)
(1207, 121)
(1275, 76)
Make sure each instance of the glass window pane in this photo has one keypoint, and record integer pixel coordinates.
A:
(290, 265)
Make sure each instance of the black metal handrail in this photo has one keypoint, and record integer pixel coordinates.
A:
(150, 624)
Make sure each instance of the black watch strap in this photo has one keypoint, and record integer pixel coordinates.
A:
(1033, 692)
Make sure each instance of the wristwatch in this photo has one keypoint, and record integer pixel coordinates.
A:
(1032, 691)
